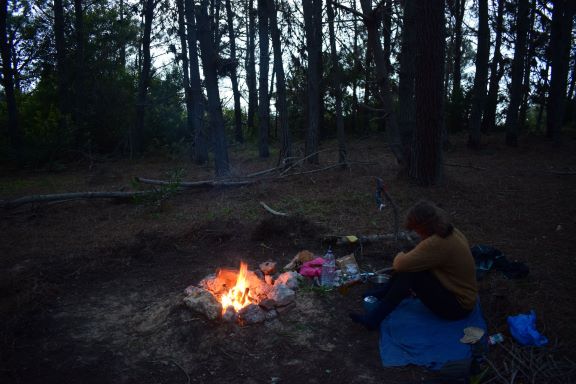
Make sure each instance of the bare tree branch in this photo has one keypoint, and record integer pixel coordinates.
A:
(266, 207)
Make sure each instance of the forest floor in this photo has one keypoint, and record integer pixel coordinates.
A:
(91, 290)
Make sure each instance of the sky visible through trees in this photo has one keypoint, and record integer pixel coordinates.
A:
(77, 77)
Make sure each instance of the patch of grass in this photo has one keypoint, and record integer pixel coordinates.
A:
(309, 288)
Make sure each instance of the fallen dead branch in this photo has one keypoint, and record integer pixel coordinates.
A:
(276, 213)
(366, 239)
(194, 184)
(300, 161)
(176, 186)
(72, 196)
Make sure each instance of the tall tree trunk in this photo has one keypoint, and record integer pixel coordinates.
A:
(426, 167)
(14, 133)
(571, 101)
(337, 86)
(185, 67)
(199, 128)
(542, 97)
(367, 113)
(264, 102)
(481, 76)
(448, 65)
(79, 78)
(137, 136)
(234, 76)
(214, 20)
(357, 71)
(496, 73)
(560, 41)
(527, 68)
(251, 67)
(281, 103)
(406, 101)
(313, 29)
(61, 67)
(387, 32)
(572, 80)
(122, 36)
(517, 74)
(456, 116)
(209, 58)
(372, 20)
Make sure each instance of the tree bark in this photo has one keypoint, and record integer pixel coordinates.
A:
(79, 78)
(481, 76)
(357, 70)
(427, 165)
(122, 36)
(209, 58)
(281, 103)
(456, 117)
(496, 73)
(517, 74)
(372, 20)
(313, 29)
(199, 127)
(531, 49)
(337, 86)
(61, 67)
(543, 90)
(14, 132)
(251, 66)
(185, 67)
(264, 102)
(406, 101)
(560, 41)
(137, 136)
(387, 33)
(234, 76)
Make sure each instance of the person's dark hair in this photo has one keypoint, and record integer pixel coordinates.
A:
(427, 219)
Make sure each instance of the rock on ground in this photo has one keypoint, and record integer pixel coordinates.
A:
(203, 302)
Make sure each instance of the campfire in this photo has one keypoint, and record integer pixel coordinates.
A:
(243, 295)
(239, 295)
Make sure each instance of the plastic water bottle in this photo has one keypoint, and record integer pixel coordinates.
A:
(328, 270)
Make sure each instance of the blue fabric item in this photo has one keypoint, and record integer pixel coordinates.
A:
(523, 329)
(412, 334)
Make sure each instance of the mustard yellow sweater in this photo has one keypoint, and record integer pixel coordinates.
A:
(449, 260)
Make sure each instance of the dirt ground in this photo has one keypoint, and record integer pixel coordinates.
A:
(91, 290)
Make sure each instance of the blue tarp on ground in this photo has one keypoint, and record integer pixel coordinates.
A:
(412, 334)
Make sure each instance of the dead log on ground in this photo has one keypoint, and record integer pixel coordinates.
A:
(72, 196)
(365, 239)
(195, 184)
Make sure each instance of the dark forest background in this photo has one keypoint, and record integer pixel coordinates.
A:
(127, 78)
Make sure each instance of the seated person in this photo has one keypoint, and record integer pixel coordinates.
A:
(440, 270)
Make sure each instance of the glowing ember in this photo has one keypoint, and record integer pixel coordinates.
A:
(237, 296)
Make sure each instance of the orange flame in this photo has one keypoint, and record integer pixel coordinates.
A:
(237, 296)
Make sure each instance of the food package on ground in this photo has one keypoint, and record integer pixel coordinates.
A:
(349, 268)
